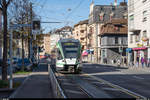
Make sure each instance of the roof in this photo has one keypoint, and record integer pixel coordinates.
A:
(82, 22)
(115, 26)
(118, 11)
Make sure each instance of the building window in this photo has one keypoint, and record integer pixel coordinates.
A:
(82, 31)
(113, 8)
(131, 38)
(131, 17)
(120, 41)
(101, 16)
(111, 15)
(116, 40)
(144, 15)
(144, 1)
(117, 28)
(137, 38)
(144, 33)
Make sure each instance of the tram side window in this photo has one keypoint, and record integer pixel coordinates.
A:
(59, 56)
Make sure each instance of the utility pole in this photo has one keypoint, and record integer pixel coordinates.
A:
(11, 64)
(96, 48)
(30, 43)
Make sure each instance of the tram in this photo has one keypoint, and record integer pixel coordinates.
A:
(68, 55)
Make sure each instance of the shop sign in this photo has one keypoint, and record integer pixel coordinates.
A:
(139, 45)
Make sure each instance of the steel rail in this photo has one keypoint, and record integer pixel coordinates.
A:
(82, 89)
(137, 96)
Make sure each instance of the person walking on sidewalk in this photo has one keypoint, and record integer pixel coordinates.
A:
(142, 61)
(148, 62)
(137, 61)
(125, 61)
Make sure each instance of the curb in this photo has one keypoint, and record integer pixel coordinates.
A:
(16, 91)
(6, 90)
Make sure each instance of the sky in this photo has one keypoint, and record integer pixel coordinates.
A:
(68, 12)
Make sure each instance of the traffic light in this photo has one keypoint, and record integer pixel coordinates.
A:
(36, 25)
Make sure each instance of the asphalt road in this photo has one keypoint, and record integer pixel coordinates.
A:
(136, 81)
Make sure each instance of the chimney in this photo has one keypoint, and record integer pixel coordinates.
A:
(115, 3)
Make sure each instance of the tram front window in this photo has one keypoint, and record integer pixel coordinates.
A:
(70, 54)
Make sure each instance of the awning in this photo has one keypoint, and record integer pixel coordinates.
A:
(142, 48)
(128, 49)
(84, 53)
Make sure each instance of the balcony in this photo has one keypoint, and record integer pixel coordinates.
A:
(135, 31)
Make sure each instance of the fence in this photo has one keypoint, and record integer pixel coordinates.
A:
(58, 92)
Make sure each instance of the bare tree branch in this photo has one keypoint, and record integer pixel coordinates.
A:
(1, 8)
(8, 2)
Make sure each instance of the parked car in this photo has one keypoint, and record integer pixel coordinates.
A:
(15, 59)
(27, 64)
(1, 61)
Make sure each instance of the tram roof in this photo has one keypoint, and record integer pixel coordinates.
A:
(69, 40)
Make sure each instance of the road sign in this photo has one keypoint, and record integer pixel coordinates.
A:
(15, 26)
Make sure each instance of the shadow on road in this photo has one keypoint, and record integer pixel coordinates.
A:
(102, 68)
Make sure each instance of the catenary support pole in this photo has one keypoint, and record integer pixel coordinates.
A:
(11, 63)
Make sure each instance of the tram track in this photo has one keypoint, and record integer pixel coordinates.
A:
(91, 87)
(69, 78)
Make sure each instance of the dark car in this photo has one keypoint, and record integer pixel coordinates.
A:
(27, 64)
(1, 62)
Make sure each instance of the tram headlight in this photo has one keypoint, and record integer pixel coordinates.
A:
(63, 60)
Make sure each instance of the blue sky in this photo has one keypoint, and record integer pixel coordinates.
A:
(69, 12)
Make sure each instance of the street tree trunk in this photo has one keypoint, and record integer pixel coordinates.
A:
(4, 67)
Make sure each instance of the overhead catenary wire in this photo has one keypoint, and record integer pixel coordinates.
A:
(74, 10)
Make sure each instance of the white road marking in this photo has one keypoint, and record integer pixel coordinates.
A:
(111, 89)
(137, 77)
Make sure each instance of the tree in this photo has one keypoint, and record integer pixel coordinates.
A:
(20, 10)
(3, 6)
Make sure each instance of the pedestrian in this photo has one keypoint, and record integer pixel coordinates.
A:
(137, 61)
(125, 61)
(142, 61)
(148, 62)
(118, 62)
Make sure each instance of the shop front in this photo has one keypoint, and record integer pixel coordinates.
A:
(138, 54)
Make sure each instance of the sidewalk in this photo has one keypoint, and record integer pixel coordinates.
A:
(37, 85)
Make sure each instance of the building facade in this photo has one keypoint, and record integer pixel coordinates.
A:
(46, 44)
(113, 36)
(139, 30)
(99, 14)
(80, 33)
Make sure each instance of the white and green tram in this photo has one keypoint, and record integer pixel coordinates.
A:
(68, 55)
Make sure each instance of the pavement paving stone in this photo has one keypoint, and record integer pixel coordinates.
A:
(36, 86)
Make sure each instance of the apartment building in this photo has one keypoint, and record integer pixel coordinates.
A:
(114, 40)
(80, 33)
(99, 14)
(138, 30)
(46, 44)
(66, 32)
(54, 38)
